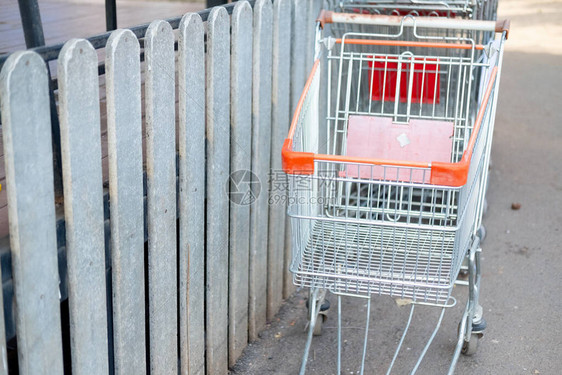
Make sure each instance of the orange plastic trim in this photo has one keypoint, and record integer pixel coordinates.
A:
(405, 43)
(296, 162)
(449, 174)
(503, 26)
(324, 17)
(351, 159)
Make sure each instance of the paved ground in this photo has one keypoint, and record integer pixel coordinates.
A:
(522, 274)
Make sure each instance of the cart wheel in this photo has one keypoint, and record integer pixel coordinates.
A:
(485, 207)
(320, 319)
(471, 347)
(325, 305)
(482, 233)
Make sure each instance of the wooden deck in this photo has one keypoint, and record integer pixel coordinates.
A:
(64, 20)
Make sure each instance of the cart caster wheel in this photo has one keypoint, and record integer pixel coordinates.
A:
(321, 318)
(325, 305)
(485, 207)
(471, 347)
(480, 326)
(319, 324)
(482, 233)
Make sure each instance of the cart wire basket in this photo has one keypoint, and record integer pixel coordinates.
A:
(387, 156)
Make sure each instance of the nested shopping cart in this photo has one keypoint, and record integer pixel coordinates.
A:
(467, 9)
(452, 9)
(387, 161)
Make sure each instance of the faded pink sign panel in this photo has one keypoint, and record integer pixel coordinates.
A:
(379, 138)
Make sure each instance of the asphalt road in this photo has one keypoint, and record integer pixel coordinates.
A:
(522, 254)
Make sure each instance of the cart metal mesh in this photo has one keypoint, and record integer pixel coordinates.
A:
(368, 259)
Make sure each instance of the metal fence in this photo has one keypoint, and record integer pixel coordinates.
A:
(177, 261)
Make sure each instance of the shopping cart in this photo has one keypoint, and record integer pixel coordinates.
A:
(466, 9)
(453, 9)
(393, 204)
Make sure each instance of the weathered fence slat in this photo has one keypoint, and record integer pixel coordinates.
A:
(261, 146)
(191, 69)
(26, 130)
(288, 286)
(298, 75)
(240, 189)
(3, 352)
(298, 50)
(124, 130)
(279, 128)
(83, 205)
(218, 150)
(161, 197)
